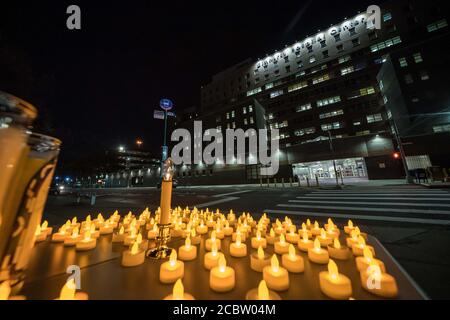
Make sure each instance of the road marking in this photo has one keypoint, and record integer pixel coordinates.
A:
(375, 198)
(382, 194)
(230, 193)
(422, 211)
(211, 203)
(362, 217)
(402, 204)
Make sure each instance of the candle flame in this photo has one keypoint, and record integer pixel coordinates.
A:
(187, 243)
(316, 225)
(272, 233)
(303, 227)
(213, 236)
(323, 235)
(139, 239)
(222, 263)
(75, 232)
(68, 291)
(260, 253)
(291, 251)
(308, 222)
(367, 253)
(178, 290)
(258, 235)
(92, 228)
(122, 230)
(274, 263)
(38, 230)
(337, 244)
(333, 269)
(5, 290)
(263, 291)
(74, 220)
(193, 233)
(282, 239)
(350, 224)
(134, 248)
(317, 245)
(305, 237)
(173, 258)
(238, 240)
(44, 225)
(214, 249)
(88, 219)
(361, 241)
(292, 228)
(87, 235)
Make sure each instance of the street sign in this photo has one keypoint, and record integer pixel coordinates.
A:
(158, 114)
(166, 104)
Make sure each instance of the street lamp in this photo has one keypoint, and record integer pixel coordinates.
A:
(121, 148)
(139, 143)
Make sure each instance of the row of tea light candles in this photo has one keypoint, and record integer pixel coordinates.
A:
(282, 235)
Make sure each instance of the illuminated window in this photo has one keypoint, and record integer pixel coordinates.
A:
(312, 59)
(244, 110)
(250, 109)
(269, 85)
(322, 78)
(331, 126)
(327, 101)
(303, 107)
(251, 120)
(437, 25)
(254, 91)
(331, 114)
(270, 116)
(344, 59)
(245, 121)
(297, 86)
(374, 118)
(442, 128)
(362, 92)
(417, 57)
(387, 16)
(403, 62)
(347, 70)
(275, 94)
(385, 44)
(305, 131)
(424, 75)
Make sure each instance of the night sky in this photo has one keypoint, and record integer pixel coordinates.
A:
(97, 88)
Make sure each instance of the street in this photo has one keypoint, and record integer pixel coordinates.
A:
(412, 222)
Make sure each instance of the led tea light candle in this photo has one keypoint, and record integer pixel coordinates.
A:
(133, 257)
(262, 293)
(211, 259)
(120, 236)
(202, 229)
(39, 236)
(279, 228)
(333, 284)
(362, 263)
(210, 223)
(259, 241)
(87, 243)
(187, 252)
(238, 249)
(317, 254)
(292, 261)
(129, 239)
(72, 240)
(178, 292)
(316, 230)
(74, 223)
(106, 228)
(259, 260)
(60, 235)
(305, 244)
(222, 278)
(379, 283)
(276, 277)
(45, 228)
(353, 239)
(172, 270)
(358, 248)
(151, 224)
(195, 238)
(349, 227)
(209, 242)
(220, 234)
(271, 237)
(239, 231)
(68, 292)
(227, 230)
(336, 251)
(305, 230)
(323, 239)
(143, 244)
(332, 231)
(292, 236)
(153, 233)
(281, 246)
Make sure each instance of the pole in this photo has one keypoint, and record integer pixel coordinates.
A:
(409, 179)
(334, 161)
(164, 147)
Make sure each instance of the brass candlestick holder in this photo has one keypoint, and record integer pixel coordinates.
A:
(161, 251)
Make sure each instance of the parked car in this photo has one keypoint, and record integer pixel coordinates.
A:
(174, 184)
(59, 189)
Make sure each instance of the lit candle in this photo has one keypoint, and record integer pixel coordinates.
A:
(262, 293)
(133, 257)
(187, 252)
(195, 238)
(119, 237)
(129, 239)
(323, 239)
(281, 246)
(358, 248)
(292, 236)
(153, 233)
(292, 261)
(211, 259)
(238, 249)
(349, 227)
(305, 244)
(210, 223)
(362, 263)
(271, 237)
(228, 231)
(178, 292)
(94, 233)
(106, 228)
(259, 260)
(87, 243)
(379, 283)
(45, 228)
(353, 239)
(143, 244)
(333, 284)
(336, 251)
(72, 240)
(60, 235)
(276, 277)
(222, 278)
(258, 241)
(202, 229)
(305, 229)
(166, 192)
(317, 254)
(279, 228)
(68, 292)
(220, 234)
(209, 242)
(316, 230)
(172, 270)
(177, 231)
(39, 236)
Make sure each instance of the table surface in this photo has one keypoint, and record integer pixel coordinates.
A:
(103, 277)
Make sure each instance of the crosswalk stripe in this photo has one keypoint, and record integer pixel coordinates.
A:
(362, 217)
(422, 211)
(382, 194)
(401, 204)
(375, 198)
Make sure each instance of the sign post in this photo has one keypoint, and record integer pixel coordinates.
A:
(166, 105)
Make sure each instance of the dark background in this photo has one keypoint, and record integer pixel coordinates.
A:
(97, 87)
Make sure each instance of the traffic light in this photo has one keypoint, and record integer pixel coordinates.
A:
(396, 155)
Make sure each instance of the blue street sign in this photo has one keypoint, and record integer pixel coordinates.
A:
(166, 104)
